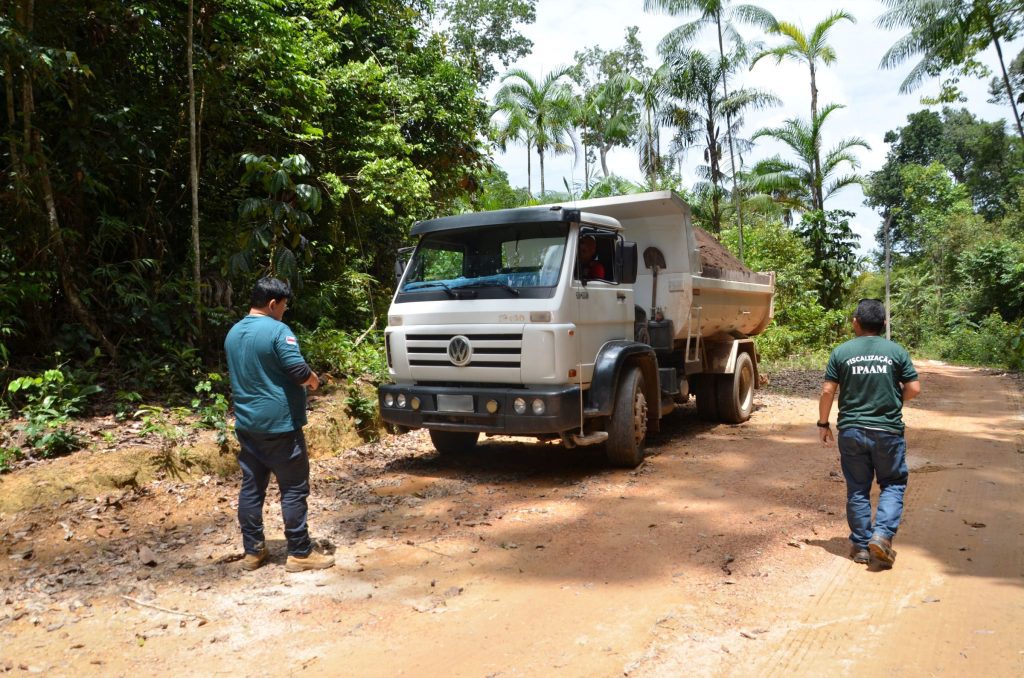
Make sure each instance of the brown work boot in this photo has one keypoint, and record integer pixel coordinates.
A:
(881, 548)
(310, 561)
(253, 561)
(860, 555)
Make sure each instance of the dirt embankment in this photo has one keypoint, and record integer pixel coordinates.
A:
(724, 554)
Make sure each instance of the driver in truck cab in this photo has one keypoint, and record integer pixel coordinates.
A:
(590, 267)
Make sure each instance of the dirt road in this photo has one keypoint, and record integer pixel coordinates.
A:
(725, 554)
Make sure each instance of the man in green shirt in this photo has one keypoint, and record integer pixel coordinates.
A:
(269, 378)
(874, 377)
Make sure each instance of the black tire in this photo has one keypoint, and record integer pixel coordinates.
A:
(453, 442)
(707, 399)
(627, 426)
(736, 392)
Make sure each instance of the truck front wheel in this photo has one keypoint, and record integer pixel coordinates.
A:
(453, 442)
(627, 426)
(736, 391)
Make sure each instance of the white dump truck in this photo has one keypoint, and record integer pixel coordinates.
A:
(494, 330)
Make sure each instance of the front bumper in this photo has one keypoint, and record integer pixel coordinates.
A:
(561, 409)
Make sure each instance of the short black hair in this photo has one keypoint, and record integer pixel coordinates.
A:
(870, 314)
(269, 289)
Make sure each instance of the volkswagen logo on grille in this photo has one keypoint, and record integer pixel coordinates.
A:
(460, 352)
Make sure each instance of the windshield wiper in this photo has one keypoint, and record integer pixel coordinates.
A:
(494, 283)
(433, 283)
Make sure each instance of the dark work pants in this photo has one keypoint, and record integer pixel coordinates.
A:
(284, 455)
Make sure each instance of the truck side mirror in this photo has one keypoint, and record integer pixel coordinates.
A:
(626, 260)
(402, 258)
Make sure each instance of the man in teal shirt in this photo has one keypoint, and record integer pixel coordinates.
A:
(269, 378)
(874, 377)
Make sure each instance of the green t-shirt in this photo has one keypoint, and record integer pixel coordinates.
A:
(869, 371)
(263, 353)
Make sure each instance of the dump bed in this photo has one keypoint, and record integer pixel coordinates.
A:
(703, 288)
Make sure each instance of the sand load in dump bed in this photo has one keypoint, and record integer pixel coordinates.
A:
(718, 262)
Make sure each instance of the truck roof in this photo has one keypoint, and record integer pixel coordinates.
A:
(619, 207)
(519, 215)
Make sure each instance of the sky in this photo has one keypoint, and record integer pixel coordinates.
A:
(873, 104)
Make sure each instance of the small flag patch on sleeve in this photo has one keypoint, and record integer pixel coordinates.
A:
(291, 340)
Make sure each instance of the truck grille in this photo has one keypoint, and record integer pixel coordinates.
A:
(488, 350)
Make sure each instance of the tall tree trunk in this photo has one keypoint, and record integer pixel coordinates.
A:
(540, 154)
(816, 191)
(586, 162)
(652, 153)
(1006, 78)
(716, 214)
(529, 171)
(732, 152)
(193, 169)
(604, 159)
(12, 120)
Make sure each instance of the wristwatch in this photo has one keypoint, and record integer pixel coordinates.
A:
(823, 424)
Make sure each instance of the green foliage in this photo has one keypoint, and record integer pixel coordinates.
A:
(387, 116)
(833, 247)
(47, 402)
(992, 274)
(341, 352)
(992, 341)
(801, 323)
(359, 360)
(8, 455)
(212, 407)
(276, 218)
(167, 424)
(484, 30)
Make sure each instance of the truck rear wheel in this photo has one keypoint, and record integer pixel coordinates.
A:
(627, 427)
(707, 398)
(453, 442)
(736, 391)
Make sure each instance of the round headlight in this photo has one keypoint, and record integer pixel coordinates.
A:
(389, 399)
(401, 400)
(538, 406)
(519, 405)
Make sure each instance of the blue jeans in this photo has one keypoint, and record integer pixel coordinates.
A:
(284, 455)
(867, 454)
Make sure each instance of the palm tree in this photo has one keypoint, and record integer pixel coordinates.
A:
(809, 48)
(515, 127)
(546, 103)
(948, 33)
(652, 88)
(701, 108)
(711, 13)
(808, 176)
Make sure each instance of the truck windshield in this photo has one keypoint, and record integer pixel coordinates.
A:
(496, 261)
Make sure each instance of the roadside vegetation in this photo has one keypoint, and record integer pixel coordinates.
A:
(159, 157)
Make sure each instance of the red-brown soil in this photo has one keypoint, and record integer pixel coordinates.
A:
(724, 554)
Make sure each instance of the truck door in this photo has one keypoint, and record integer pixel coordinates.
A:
(604, 308)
